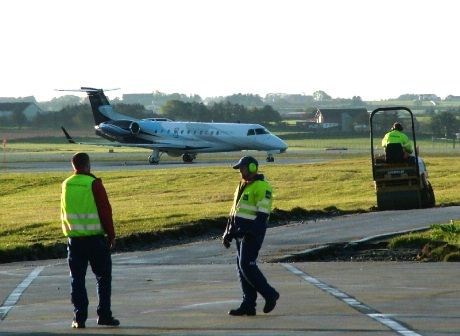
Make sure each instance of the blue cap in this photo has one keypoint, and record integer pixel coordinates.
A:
(245, 161)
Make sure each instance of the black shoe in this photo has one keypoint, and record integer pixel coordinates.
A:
(78, 325)
(110, 321)
(242, 311)
(270, 304)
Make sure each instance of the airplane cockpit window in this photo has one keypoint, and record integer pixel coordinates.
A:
(261, 131)
(251, 132)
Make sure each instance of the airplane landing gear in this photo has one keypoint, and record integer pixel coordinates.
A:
(154, 159)
(270, 157)
(188, 158)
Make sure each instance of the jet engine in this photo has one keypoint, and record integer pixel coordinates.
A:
(134, 128)
(119, 130)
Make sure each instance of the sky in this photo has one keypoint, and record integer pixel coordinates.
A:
(375, 49)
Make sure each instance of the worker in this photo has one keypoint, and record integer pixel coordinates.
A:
(86, 217)
(396, 136)
(247, 224)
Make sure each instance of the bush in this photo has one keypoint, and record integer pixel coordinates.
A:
(409, 241)
(454, 256)
(438, 251)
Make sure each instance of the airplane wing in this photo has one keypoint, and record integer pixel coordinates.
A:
(163, 146)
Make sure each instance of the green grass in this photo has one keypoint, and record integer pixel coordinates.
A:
(425, 145)
(149, 201)
(30, 149)
(440, 243)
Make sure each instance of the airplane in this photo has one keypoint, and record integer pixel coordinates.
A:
(176, 138)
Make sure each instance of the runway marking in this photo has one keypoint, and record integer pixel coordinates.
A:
(352, 302)
(15, 295)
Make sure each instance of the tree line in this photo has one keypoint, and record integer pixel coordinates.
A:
(75, 112)
(219, 112)
(80, 115)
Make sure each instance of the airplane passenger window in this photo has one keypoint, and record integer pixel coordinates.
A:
(261, 131)
(217, 132)
(212, 132)
(188, 132)
(251, 132)
(168, 131)
(182, 132)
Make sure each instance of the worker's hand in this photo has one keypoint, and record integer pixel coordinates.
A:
(226, 240)
(112, 243)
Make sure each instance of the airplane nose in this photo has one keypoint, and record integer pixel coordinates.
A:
(284, 146)
(272, 143)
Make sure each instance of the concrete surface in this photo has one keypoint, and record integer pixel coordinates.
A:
(188, 289)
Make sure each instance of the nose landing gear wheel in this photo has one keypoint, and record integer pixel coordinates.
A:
(154, 159)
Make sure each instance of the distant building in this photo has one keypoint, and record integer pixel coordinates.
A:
(345, 119)
(451, 97)
(30, 110)
(428, 96)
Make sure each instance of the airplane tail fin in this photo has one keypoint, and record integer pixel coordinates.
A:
(100, 105)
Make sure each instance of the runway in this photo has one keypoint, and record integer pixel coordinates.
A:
(122, 164)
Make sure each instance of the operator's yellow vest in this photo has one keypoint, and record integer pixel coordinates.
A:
(79, 215)
(396, 136)
(256, 197)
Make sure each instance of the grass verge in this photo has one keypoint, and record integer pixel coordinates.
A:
(152, 207)
(440, 243)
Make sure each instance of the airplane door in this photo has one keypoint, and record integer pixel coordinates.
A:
(176, 132)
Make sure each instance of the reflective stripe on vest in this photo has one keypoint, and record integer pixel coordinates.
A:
(79, 215)
(256, 197)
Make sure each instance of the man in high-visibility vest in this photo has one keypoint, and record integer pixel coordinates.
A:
(396, 136)
(247, 225)
(86, 217)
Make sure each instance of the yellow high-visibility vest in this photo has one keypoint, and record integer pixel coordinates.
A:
(79, 215)
(256, 197)
(396, 136)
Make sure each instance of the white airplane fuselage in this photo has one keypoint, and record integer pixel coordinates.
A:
(176, 138)
(195, 137)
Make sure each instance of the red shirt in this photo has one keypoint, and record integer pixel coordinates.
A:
(104, 208)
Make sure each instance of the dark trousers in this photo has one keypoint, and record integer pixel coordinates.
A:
(251, 278)
(95, 251)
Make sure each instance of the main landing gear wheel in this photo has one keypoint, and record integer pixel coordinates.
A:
(153, 160)
(188, 158)
(270, 158)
